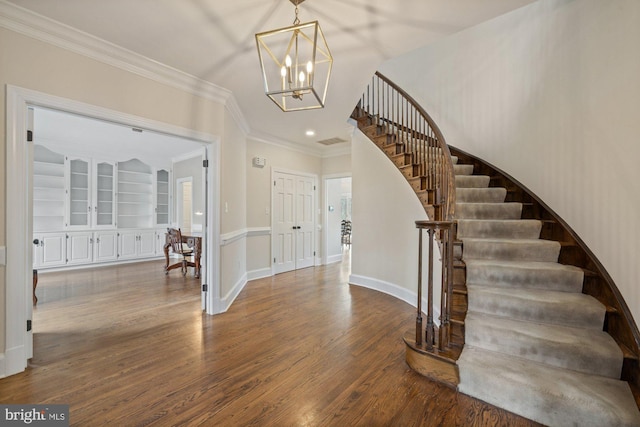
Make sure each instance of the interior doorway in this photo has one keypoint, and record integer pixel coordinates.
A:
(184, 204)
(19, 246)
(337, 218)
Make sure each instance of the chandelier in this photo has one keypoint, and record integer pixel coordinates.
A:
(296, 65)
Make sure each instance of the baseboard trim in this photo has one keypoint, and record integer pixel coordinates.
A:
(259, 274)
(334, 258)
(12, 361)
(394, 290)
(231, 296)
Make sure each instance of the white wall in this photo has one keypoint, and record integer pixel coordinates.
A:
(550, 93)
(384, 253)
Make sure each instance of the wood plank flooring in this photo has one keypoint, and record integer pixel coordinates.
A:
(129, 346)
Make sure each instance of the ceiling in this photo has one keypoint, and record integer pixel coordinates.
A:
(70, 133)
(213, 40)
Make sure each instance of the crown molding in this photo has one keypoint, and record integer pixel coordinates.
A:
(31, 24)
(234, 110)
(288, 145)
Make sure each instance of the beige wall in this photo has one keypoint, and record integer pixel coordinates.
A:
(259, 193)
(550, 93)
(385, 241)
(337, 165)
(32, 64)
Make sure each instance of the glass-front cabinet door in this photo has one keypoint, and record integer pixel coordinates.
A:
(162, 197)
(78, 192)
(104, 205)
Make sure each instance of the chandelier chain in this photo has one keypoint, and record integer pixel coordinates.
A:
(297, 20)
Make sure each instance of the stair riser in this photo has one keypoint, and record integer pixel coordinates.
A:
(508, 229)
(480, 195)
(554, 311)
(393, 149)
(544, 349)
(472, 181)
(511, 251)
(463, 169)
(418, 184)
(510, 277)
(502, 211)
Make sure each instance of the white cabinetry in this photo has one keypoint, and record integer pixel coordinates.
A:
(160, 240)
(136, 244)
(48, 190)
(105, 246)
(162, 197)
(104, 200)
(94, 210)
(78, 187)
(135, 194)
(50, 250)
(79, 248)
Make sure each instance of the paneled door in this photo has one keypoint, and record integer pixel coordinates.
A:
(293, 221)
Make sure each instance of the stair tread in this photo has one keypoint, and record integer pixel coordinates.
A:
(524, 274)
(563, 308)
(567, 347)
(548, 395)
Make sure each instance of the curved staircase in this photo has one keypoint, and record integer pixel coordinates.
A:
(534, 343)
(539, 328)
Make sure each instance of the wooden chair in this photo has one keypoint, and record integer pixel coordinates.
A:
(175, 238)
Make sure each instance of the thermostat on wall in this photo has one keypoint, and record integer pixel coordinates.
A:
(259, 162)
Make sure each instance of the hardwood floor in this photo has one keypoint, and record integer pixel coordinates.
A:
(129, 346)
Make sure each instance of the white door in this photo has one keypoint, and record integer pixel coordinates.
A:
(305, 225)
(80, 248)
(284, 216)
(293, 221)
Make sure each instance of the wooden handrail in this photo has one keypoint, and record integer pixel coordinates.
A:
(410, 124)
(401, 122)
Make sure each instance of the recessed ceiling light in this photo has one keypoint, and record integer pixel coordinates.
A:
(310, 132)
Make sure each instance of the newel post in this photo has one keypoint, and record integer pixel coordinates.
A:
(445, 229)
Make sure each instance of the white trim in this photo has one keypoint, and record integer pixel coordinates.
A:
(325, 218)
(236, 113)
(395, 291)
(232, 236)
(259, 274)
(18, 248)
(187, 156)
(231, 296)
(334, 258)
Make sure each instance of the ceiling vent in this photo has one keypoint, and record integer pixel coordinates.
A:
(331, 141)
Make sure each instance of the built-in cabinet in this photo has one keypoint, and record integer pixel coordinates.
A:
(94, 210)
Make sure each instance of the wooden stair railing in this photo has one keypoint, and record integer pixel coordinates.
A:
(397, 124)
